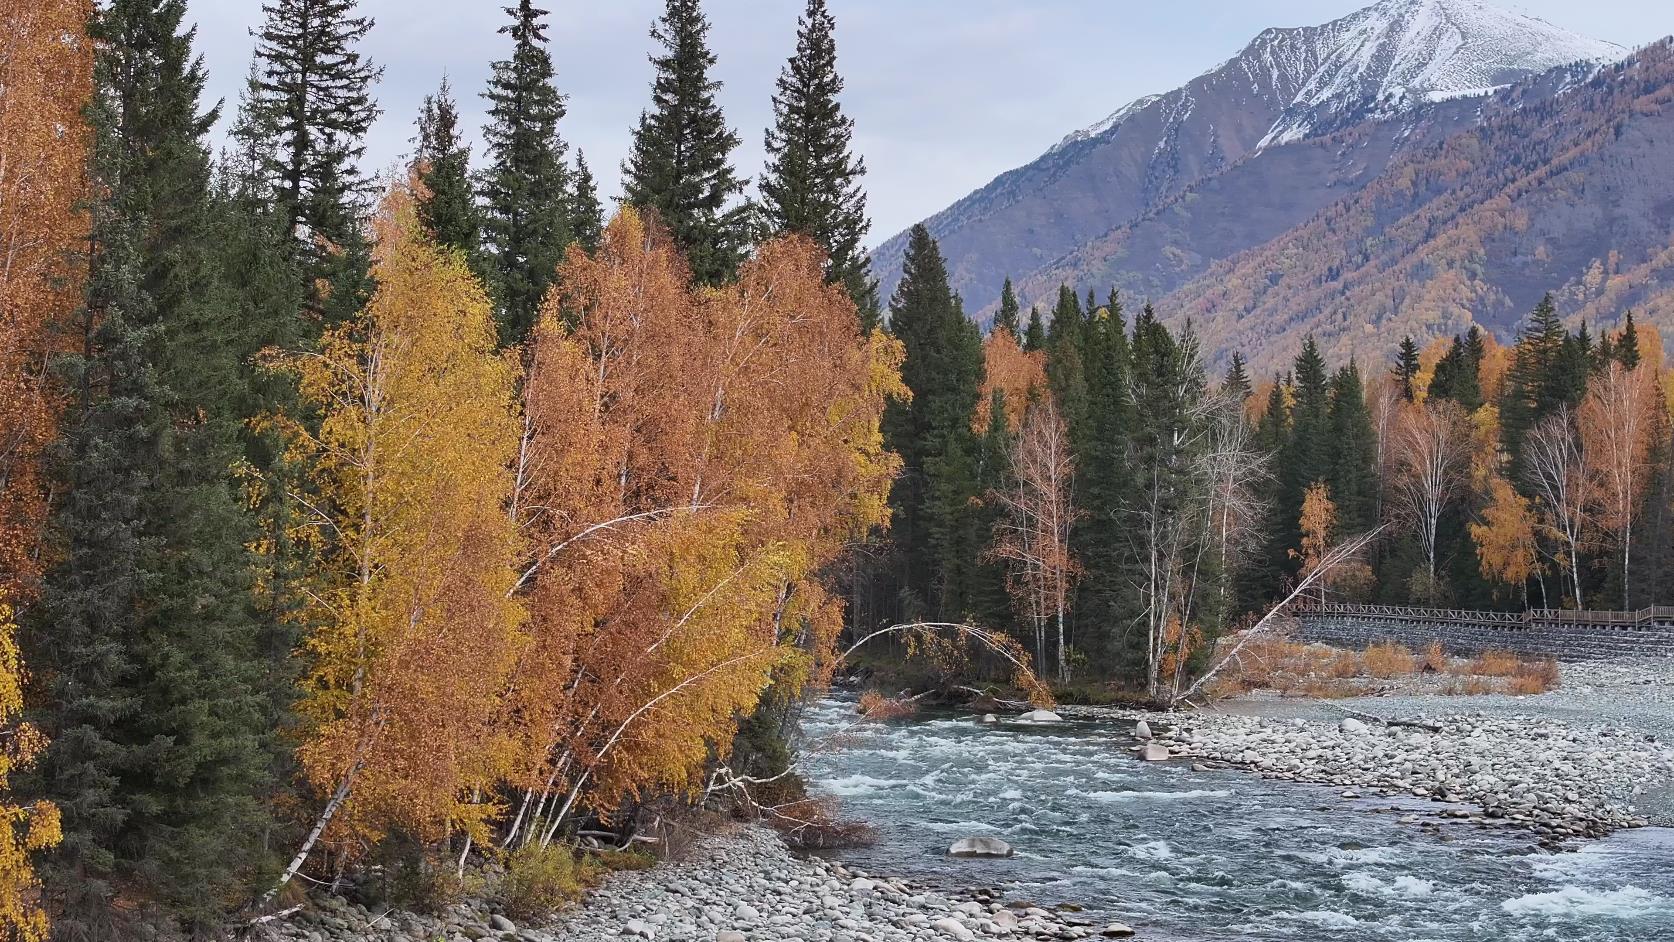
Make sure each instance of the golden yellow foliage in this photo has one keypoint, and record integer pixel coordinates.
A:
(412, 626)
(23, 829)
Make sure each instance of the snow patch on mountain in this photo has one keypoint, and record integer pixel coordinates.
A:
(1385, 59)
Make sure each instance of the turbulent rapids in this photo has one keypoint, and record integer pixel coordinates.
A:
(1218, 855)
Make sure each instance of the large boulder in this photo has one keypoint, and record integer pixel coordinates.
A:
(1352, 725)
(1041, 716)
(989, 847)
(1142, 730)
(1154, 752)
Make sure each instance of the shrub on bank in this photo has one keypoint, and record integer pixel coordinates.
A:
(540, 880)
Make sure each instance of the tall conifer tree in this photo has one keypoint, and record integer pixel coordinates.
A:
(936, 526)
(586, 214)
(443, 163)
(526, 186)
(813, 181)
(147, 637)
(1353, 476)
(680, 164)
(1405, 369)
(309, 108)
(1008, 316)
(1034, 336)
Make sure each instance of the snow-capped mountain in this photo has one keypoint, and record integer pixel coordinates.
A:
(1405, 52)
(1287, 85)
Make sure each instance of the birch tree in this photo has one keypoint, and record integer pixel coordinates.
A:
(1432, 456)
(1617, 420)
(1033, 534)
(1555, 468)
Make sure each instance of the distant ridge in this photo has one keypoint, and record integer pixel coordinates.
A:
(1377, 65)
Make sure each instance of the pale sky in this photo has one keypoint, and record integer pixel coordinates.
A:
(945, 94)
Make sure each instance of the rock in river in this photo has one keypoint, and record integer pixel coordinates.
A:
(980, 847)
(1142, 730)
(1154, 752)
(1041, 716)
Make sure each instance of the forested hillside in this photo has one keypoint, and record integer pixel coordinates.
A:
(1563, 194)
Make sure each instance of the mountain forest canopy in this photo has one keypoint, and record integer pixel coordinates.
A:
(362, 530)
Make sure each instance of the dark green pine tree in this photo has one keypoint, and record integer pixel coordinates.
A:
(443, 164)
(1009, 314)
(586, 213)
(1406, 369)
(813, 181)
(1458, 373)
(1537, 382)
(1237, 386)
(1354, 477)
(1260, 580)
(146, 639)
(1627, 344)
(991, 602)
(1034, 336)
(307, 114)
(525, 187)
(935, 527)
(1067, 324)
(1102, 420)
(680, 165)
(1306, 456)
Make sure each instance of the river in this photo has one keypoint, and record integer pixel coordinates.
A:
(1220, 855)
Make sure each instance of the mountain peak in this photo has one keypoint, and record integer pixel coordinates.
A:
(1399, 53)
(1390, 56)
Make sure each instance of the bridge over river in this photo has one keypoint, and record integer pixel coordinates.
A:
(1566, 635)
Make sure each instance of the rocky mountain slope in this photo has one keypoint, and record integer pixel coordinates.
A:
(1288, 86)
(1568, 193)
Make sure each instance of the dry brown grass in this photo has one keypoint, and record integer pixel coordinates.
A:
(1345, 664)
(1494, 664)
(1388, 660)
(875, 706)
(1436, 659)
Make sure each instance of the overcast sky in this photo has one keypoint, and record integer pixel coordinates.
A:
(945, 93)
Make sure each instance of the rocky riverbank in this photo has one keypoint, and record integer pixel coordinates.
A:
(745, 887)
(737, 886)
(1535, 762)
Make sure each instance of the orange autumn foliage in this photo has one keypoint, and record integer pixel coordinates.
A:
(412, 629)
(1012, 371)
(46, 80)
(692, 459)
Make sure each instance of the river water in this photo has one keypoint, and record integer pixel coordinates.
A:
(1213, 856)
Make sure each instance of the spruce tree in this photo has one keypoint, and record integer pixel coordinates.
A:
(1306, 456)
(1007, 318)
(1627, 345)
(1034, 338)
(525, 188)
(146, 639)
(443, 164)
(1237, 383)
(1406, 369)
(586, 214)
(1536, 383)
(813, 181)
(1353, 477)
(1099, 437)
(935, 526)
(680, 165)
(309, 108)
(1067, 325)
